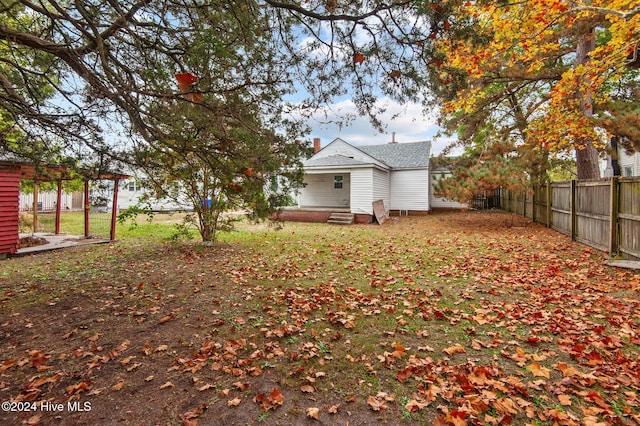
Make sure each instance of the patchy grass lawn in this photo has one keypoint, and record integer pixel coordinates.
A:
(453, 318)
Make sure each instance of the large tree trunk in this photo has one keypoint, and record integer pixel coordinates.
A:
(586, 153)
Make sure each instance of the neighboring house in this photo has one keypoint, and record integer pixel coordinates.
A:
(345, 178)
(441, 202)
(629, 164)
(47, 201)
(130, 193)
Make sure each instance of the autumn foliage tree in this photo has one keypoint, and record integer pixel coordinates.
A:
(539, 72)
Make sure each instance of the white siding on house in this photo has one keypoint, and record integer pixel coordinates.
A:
(629, 163)
(320, 192)
(361, 191)
(439, 202)
(410, 190)
(46, 201)
(381, 187)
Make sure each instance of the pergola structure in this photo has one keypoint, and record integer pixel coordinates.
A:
(12, 172)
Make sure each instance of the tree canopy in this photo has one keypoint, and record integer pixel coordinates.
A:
(547, 77)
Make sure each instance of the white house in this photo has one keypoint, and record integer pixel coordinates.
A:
(628, 164)
(345, 178)
(131, 192)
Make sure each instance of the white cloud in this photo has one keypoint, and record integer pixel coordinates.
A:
(409, 122)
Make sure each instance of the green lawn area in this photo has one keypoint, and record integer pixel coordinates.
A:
(453, 318)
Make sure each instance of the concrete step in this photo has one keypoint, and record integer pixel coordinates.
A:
(341, 218)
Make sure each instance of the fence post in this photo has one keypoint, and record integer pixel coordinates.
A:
(35, 206)
(114, 209)
(58, 207)
(574, 219)
(87, 206)
(533, 203)
(549, 224)
(613, 214)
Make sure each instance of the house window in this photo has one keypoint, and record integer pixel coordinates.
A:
(337, 182)
(628, 171)
(133, 186)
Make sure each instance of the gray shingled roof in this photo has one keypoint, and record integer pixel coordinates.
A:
(333, 161)
(400, 155)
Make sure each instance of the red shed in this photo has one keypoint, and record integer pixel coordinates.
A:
(11, 172)
(9, 206)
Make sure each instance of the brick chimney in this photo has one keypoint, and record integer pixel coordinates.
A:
(316, 144)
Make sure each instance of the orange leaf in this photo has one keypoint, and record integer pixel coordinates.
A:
(185, 81)
(538, 371)
(564, 399)
(455, 349)
(271, 401)
(358, 58)
(118, 386)
(399, 350)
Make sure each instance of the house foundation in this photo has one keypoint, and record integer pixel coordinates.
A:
(316, 215)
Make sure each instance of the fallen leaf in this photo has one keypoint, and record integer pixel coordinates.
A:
(313, 412)
(134, 366)
(538, 370)
(190, 417)
(234, 402)
(271, 401)
(564, 399)
(118, 386)
(69, 334)
(333, 409)
(455, 349)
(307, 389)
(376, 404)
(167, 385)
(127, 360)
(413, 405)
(241, 386)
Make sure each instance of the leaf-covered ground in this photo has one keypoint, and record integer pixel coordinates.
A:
(453, 318)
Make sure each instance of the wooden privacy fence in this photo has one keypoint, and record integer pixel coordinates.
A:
(602, 213)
